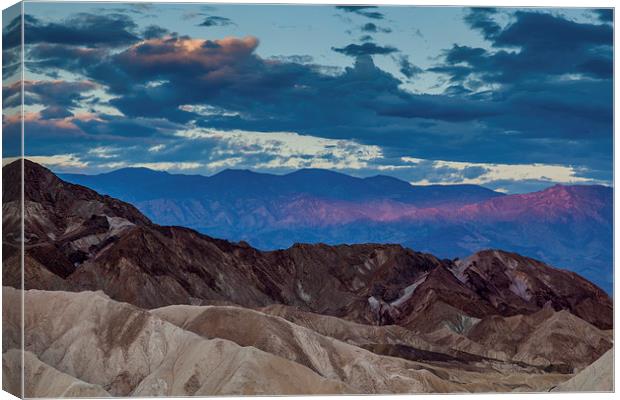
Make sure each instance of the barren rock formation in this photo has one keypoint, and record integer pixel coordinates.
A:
(127, 351)
(41, 380)
(555, 340)
(514, 284)
(596, 377)
(333, 359)
(91, 342)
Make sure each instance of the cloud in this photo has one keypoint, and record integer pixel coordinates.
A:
(605, 14)
(171, 77)
(365, 11)
(159, 56)
(11, 33)
(104, 152)
(175, 77)
(59, 161)
(83, 29)
(407, 68)
(167, 166)
(514, 99)
(369, 27)
(294, 58)
(92, 137)
(368, 48)
(440, 107)
(154, 32)
(281, 150)
(214, 20)
(188, 70)
(115, 127)
(481, 18)
(485, 173)
(55, 112)
(534, 46)
(373, 28)
(535, 76)
(528, 29)
(11, 54)
(48, 59)
(157, 148)
(57, 96)
(38, 128)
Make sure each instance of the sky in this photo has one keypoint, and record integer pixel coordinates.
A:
(512, 99)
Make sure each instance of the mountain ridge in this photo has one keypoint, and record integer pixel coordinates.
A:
(565, 225)
(102, 243)
(317, 176)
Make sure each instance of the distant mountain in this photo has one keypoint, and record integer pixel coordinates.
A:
(569, 226)
(141, 184)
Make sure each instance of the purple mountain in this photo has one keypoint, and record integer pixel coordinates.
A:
(568, 226)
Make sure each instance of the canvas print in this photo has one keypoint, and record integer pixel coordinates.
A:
(228, 199)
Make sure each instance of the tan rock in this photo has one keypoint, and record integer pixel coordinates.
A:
(42, 380)
(127, 351)
(597, 377)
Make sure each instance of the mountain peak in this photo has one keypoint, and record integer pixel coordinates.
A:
(237, 171)
(318, 172)
(38, 179)
(138, 171)
(30, 168)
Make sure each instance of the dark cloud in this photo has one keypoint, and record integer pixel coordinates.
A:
(440, 107)
(481, 19)
(457, 90)
(367, 48)
(12, 33)
(154, 32)
(11, 63)
(82, 29)
(533, 30)
(47, 59)
(536, 46)
(366, 11)
(141, 9)
(558, 110)
(369, 27)
(55, 112)
(118, 127)
(407, 68)
(59, 97)
(373, 28)
(49, 133)
(57, 134)
(605, 14)
(228, 75)
(214, 20)
(11, 46)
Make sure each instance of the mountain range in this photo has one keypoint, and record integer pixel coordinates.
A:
(115, 304)
(567, 226)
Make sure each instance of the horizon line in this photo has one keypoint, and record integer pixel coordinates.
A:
(9, 160)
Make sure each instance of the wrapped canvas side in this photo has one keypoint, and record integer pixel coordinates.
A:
(12, 203)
